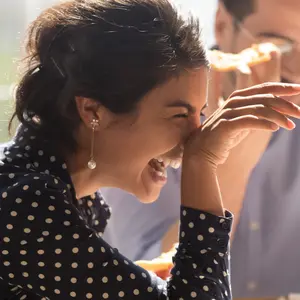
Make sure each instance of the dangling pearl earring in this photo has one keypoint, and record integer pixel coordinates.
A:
(92, 164)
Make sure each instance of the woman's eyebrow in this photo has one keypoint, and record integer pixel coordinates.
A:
(182, 103)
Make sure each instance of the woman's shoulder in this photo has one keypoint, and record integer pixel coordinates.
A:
(35, 199)
(14, 180)
(27, 184)
(27, 170)
(29, 188)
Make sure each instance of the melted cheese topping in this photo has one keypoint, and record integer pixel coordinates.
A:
(257, 54)
(161, 263)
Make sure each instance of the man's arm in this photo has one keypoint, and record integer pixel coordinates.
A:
(235, 173)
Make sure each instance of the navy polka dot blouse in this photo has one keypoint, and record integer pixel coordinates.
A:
(51, 245)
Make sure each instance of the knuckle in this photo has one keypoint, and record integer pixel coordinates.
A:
(225, 112)
(267, 85)
(235, 93)
(260, 109)
(223, 123)
(269, 95)
(231, 101)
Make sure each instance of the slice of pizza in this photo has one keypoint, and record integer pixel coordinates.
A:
(161, 264)
(257, 54)
(156, 265)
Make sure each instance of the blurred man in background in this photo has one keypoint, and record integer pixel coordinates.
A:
(260, 182)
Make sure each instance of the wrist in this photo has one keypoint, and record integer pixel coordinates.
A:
(199, 186)
(199, 163)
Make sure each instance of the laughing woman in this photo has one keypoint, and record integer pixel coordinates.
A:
(112, 94)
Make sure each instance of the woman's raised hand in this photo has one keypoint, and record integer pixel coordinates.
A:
(260, 107)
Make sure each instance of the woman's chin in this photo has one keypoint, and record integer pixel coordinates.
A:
(150, 186)
(149, 197)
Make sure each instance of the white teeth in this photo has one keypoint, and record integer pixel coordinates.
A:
(167, 162)
(175, 164)
(163, 173)
(160, 173)
(159, 159)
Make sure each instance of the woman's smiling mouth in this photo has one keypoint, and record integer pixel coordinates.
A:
(158, 168)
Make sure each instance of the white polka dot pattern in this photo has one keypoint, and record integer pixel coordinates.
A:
(52, 247)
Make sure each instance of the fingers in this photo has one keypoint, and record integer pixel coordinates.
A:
(273, 69)
(275, 88)
(247, 122)
(243, 77)
(266, 72)
(277, 103)
(261, 112)
(269, 71)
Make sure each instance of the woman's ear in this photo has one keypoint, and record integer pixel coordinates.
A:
(89, 110)
(223, 25)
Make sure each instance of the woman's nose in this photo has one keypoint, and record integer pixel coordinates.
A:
(195, 123)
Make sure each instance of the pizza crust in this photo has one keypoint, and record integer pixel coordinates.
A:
(159, 264)
(257, 54)
(156, 265)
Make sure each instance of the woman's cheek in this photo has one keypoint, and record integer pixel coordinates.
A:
(171, 140)
(176, 135)
(163, 139)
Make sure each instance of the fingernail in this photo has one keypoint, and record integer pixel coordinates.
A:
(291, 124)
(274, 54)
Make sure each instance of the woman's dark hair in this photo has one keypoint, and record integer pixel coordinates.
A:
(113, 51)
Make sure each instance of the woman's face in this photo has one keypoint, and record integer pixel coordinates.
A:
(133, 150)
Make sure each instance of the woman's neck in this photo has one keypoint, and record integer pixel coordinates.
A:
(82, 177)
(86, 181)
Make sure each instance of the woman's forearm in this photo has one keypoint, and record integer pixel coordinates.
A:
(200, 187)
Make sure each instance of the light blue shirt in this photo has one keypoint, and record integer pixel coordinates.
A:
(265, 253)
(136, 229)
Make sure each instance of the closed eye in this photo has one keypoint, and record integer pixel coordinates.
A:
(186, 115)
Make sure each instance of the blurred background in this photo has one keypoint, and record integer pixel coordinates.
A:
(15, 15)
